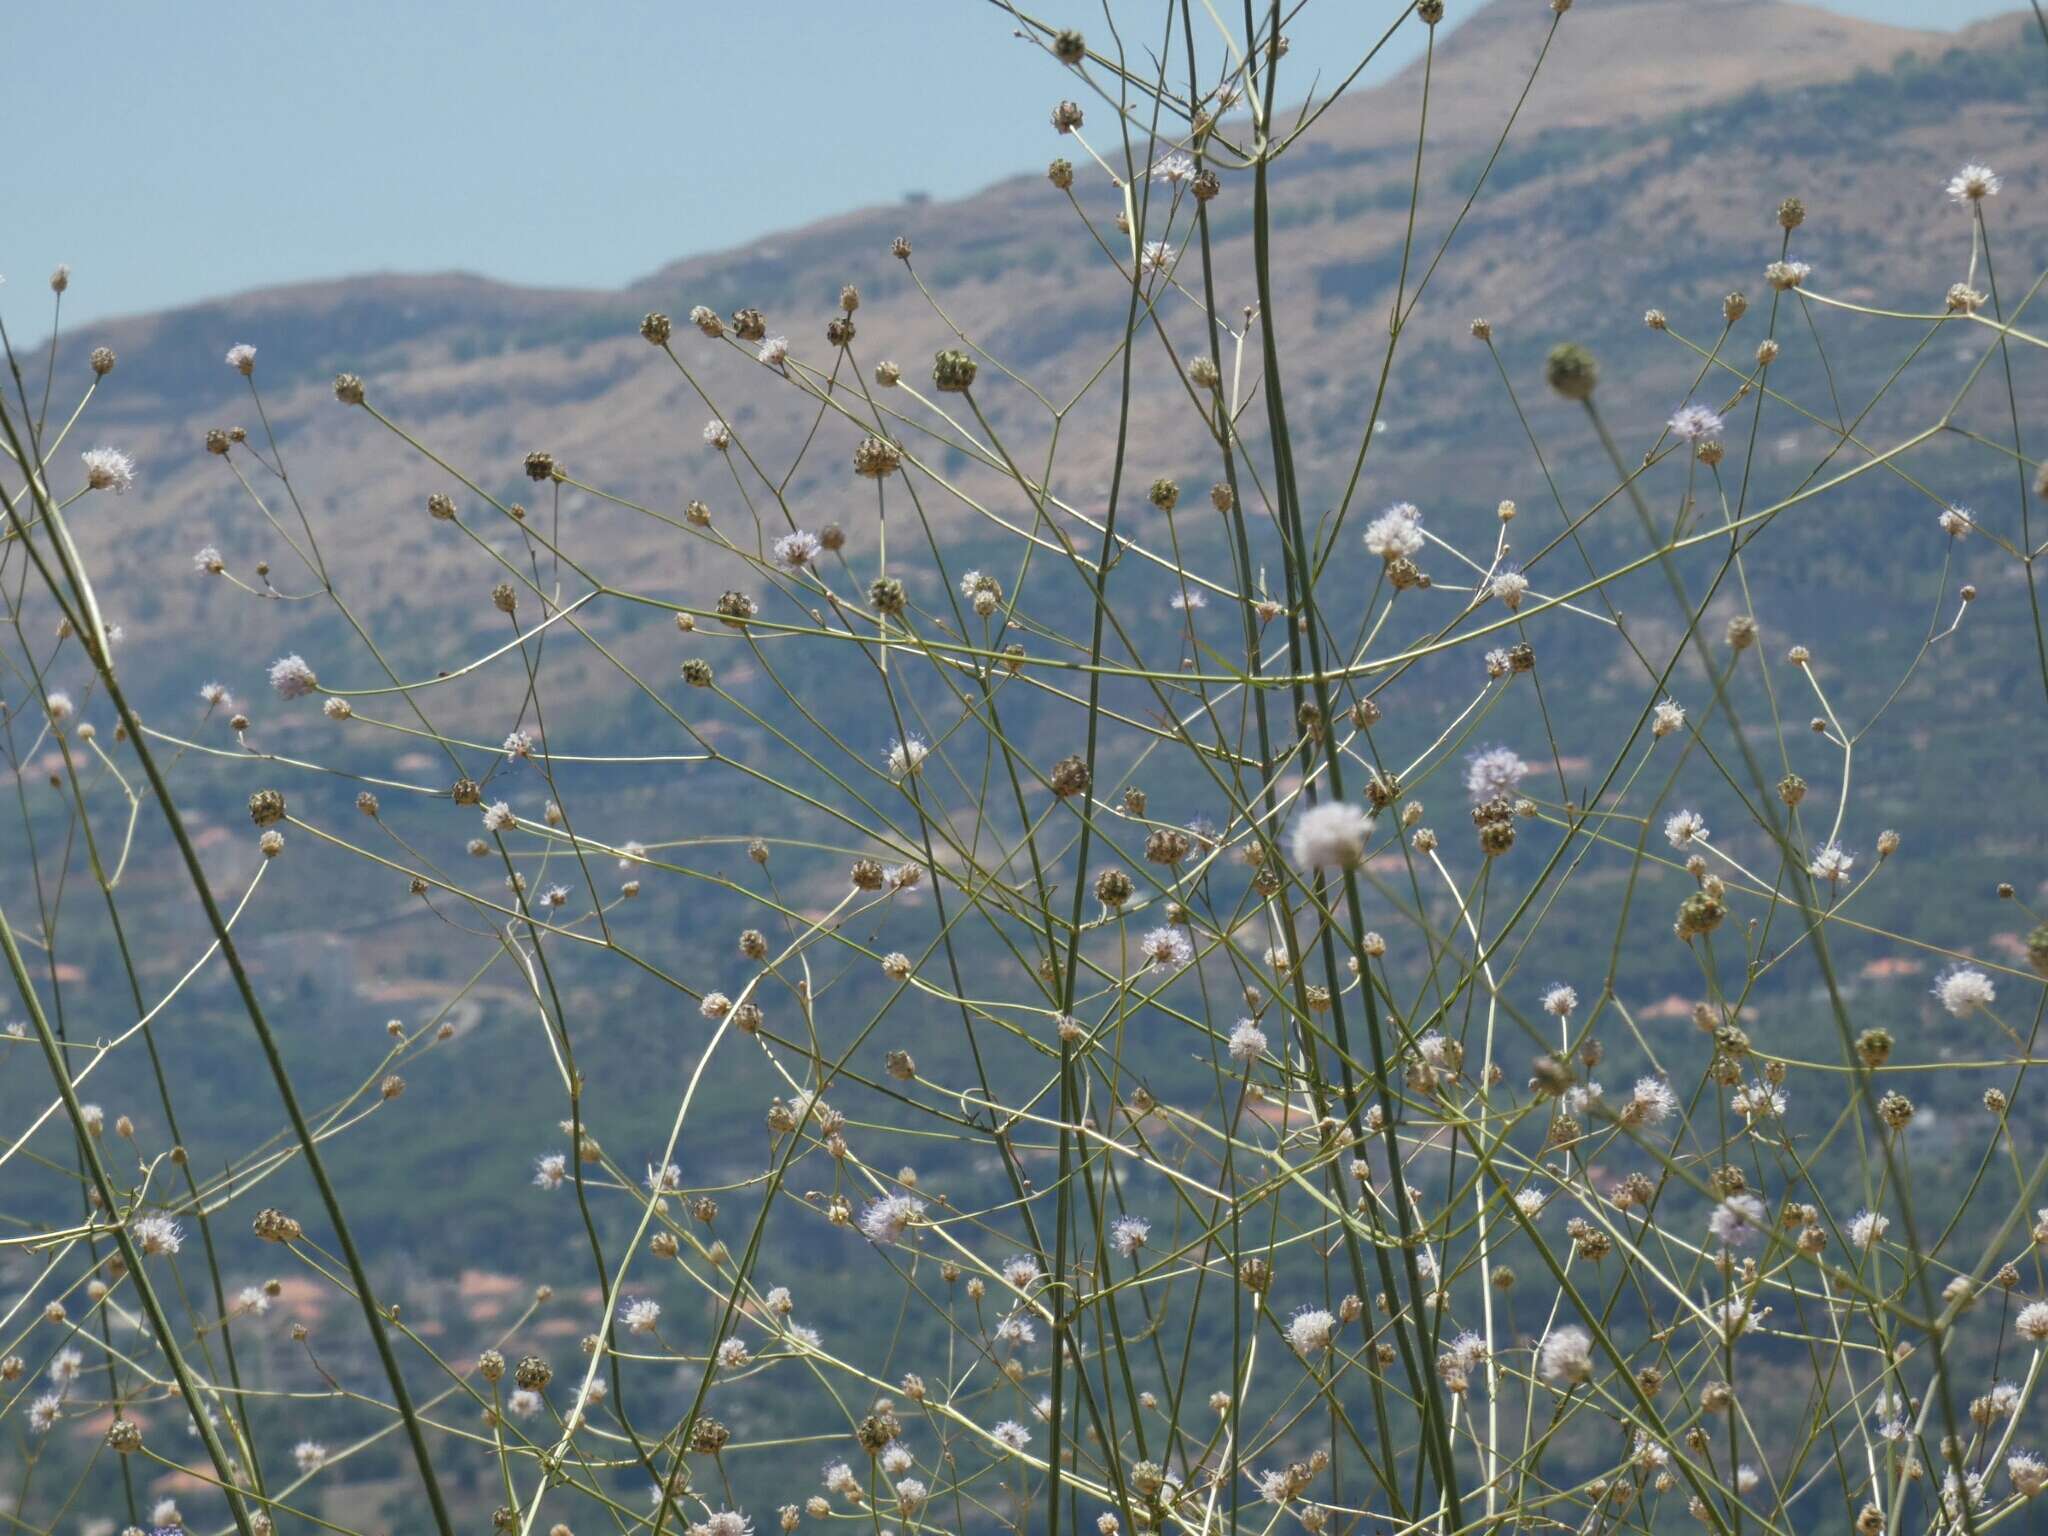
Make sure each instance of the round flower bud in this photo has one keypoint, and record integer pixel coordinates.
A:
(1792, 789)
(441, 507)
(532, 1374)
(125, 1436)
(749, 325)
(1791, 213)
(656, 329)
(1061, 174)
(1571, 371)
(1431, 11)
(877, 457)
(1164, 494)
(953, 371)
(1069, 777)
(491, 1366)
(886, 595)
(697, 672)
(466, 792)
(103, 361)
(1067, 116)
(1699, 913)
(1206, 185)
(1069, 47)
(266, 807)
(1203, 373)
(542, 466)
(1112, 888)
(348, 389)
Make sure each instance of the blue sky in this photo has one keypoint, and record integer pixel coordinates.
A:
(192, 150)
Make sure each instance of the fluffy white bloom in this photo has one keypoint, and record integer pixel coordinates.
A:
(1167, 948)
(1158, 255)
(108, 469)
(2032, 1323)
(906, 756)
(1174, 170)
(797, 549)
(524, 1403)
(517, 745)
(1012, 1434)
(59, 704)
(887, 1219)
(1972, 184)
(242, 357)
(1247, 1042)
(1868, 1228)
(549, 1171)
(733, 1354)
(1188, 601)
(1530, 1202)
(498, 817)
(1510, 586)
(717, 434)
(1022, 1271)
(252, 1298)
(1311, 1330)
(1963, 989)
(642, 1315)
(1666, 718)
(1333, 833)
(208, 560)
(1560, 1000)
(311, 1455)
(65, 1369)
(1395, 532)
(1759, 1101)
(1127, 1234)
(292, 678)
(43, 1413)
(1782, 275)
(158, 1234)
(1016, 1330)
(1955, 521)
(1566, 1354)
(1831, 864)
(215, 694)
(2028, 1472)
(1684, 828)
(1696, 424)
(774, 350)
(1494, 772)
(1737, 1219)
(1653, 1100)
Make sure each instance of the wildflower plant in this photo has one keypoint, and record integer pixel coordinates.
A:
(1040, 994)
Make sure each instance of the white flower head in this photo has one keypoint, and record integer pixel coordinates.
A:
(108, 469)
(797, 550)
(1685, 828)
(1963, 990)
(1247, 1042)
(1566, 1355)
(242, 358)
(1695, 424)
(1332, 834)
(1738, 1219)
(906, 756)
(1666, 718)
(1167, 948)
(1972, 184)
(1868, 1228)
(1395, 532)
(1310, 1330)
(1492, 773)
(292, 678)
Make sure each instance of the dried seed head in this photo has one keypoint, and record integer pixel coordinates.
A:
(1069, 47)
(656, 329)
(953, 371)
